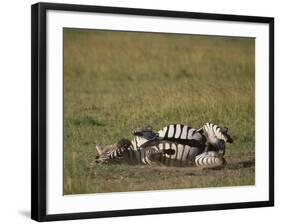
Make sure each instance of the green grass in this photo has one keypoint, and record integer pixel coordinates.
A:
(117, 81)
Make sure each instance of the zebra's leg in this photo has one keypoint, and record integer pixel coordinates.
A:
(150, 153)
(148, 160)
(147, 153)
(137, 155)
(143, 156)
(210, 159)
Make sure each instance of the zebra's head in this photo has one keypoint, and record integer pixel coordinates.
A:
(146, 133)
(216, 136)
(112, 153)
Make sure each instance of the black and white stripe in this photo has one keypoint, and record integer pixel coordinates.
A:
(175, 154)
(210, 135)
(133, 152)
(213, 130)
(108, 152)
(137, 153)
(216, 137)
(172, 153)
(176, 132)
(175, 143)
(209, 159)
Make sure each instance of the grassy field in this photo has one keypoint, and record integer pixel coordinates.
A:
(117, 81)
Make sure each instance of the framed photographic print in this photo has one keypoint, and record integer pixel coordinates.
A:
(139, 111)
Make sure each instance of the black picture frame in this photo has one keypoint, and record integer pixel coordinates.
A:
(38, 108)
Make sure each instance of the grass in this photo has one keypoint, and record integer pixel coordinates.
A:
(117, 81)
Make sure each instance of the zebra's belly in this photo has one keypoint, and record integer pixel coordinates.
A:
(179, 155)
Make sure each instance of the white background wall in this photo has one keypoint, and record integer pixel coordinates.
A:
(15, 109)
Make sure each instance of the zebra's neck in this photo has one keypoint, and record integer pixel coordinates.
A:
(138, 141)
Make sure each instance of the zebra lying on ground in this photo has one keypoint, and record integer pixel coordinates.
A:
(174, 144)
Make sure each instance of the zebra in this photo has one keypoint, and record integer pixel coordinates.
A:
(168, 147)
(164, 152)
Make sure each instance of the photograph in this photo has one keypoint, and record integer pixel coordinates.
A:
(150, 111)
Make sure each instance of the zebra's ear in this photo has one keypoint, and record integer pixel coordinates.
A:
(99, 149)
